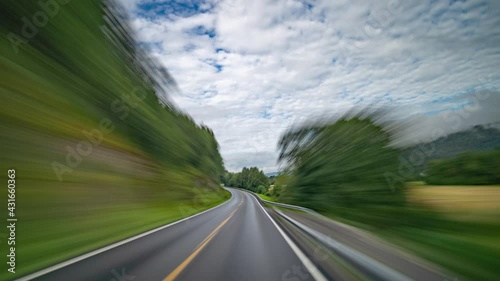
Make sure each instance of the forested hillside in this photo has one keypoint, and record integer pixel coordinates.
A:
(100, 152)
(479, 138)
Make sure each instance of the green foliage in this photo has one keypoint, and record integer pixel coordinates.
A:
(280, 183)
(263, 189)
(340, 167)
(249, 178)
(470, 168)
(272, 180)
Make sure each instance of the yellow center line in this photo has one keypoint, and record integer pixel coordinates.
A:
(174, 274)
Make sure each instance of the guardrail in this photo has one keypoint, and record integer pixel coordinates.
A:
(371, 265)
(304, 209)
(307, 210)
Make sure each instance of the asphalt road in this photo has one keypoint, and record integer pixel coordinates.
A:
(235, 241)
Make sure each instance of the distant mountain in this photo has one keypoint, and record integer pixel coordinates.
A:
(478, 138)
(273, 174)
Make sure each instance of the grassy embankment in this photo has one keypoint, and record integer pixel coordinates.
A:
(265, 197)
(456, 227)
(153, 167)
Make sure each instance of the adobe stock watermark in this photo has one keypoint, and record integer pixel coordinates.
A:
(94, 137)
(201, 196)
(39, 19)
(121, 275)
(376, 23)
(424, 151)
(296, 273)
(321, 253)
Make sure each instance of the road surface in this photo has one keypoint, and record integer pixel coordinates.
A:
(237, 240)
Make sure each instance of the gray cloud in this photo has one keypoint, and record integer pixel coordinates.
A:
(267, 64)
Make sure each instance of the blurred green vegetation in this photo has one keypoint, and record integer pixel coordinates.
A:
(469, 249)
(338, 169)
(99, 150)
(279, 183)
(470, 168)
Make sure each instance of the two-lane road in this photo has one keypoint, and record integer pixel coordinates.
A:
(234, 241)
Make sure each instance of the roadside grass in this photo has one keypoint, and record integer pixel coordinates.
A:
(455, 227)
(471, 252)
(115, 194)
(265, 197)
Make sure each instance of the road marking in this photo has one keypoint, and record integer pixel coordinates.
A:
(313, 270)
(175, 273)
(109, 247)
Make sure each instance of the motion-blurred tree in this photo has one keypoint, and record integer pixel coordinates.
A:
(339, 166)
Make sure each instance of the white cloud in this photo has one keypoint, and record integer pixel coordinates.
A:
(249, 69)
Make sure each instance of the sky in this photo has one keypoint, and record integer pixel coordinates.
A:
(251, 69)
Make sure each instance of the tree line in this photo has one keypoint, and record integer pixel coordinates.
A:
(252, 179)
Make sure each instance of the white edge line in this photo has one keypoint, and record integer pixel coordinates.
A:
(313, 270)
(109, 247)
